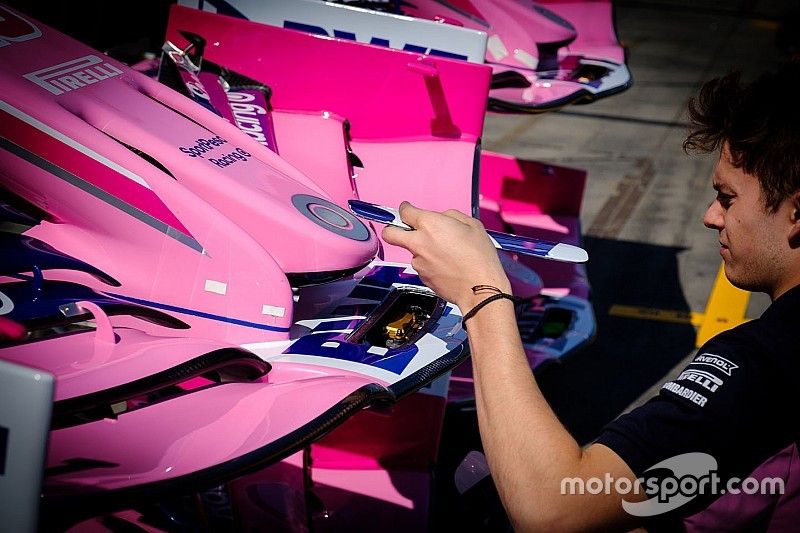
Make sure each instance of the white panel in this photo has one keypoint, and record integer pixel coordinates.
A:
(401, 32)
(271, 310)
(378, 350)
(496, 47)
(216, 287)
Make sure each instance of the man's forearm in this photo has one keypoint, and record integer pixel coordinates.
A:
(528, 449)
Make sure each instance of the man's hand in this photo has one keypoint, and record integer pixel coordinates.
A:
(452, 253)
(528, 450)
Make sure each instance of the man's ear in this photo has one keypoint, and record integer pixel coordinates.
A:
(794, 232)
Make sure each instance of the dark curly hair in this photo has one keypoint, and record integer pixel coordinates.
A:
(760, 124)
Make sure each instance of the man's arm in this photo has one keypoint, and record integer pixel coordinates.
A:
(528, 450)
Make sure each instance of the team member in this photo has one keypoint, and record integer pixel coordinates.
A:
(735, 401)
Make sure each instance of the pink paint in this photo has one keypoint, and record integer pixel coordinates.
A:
(10, 330)
(79, 370)
(325, 132)
(249, 415)
(594, 22)
(536, 200)
(360, 82)
(431, 174)
(228, 195)
(561, 52)
(234, 290)
(87, 168)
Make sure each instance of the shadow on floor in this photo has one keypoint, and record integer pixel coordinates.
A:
(628, 355)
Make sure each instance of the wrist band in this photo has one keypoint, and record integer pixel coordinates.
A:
(499, 295)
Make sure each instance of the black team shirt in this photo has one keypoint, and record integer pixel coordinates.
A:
(736, 401)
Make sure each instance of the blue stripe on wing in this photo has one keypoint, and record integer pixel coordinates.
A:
(371, 211)
(394, 360)
(21, 253)
(201, 314)
(522, 245)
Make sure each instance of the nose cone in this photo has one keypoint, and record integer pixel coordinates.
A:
(324, 237)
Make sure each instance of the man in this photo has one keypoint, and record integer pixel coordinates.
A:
(734, 402)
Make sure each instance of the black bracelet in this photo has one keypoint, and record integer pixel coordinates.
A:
(499, 295)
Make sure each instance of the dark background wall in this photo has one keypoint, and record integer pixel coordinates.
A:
(121, 28)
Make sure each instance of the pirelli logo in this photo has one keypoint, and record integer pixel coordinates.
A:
(71, 75)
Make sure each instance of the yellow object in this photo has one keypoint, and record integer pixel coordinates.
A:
(725, 309)
(661, 315)
(400, 328)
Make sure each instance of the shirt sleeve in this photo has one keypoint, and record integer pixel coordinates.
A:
(729, 402)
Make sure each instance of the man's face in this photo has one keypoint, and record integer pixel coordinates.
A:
(753, 240)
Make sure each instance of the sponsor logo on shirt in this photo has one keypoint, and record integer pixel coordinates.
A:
(716, 361)
(685, 392)
(707, 380)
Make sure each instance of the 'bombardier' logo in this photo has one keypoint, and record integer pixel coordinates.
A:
(74, 74)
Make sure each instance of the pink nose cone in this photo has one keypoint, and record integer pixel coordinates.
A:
(333, 238)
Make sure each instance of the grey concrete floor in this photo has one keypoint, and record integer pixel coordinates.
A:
(645, 197)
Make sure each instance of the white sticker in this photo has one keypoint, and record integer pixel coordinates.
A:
(496, 47)
(378, 350)
(525, 58)
(527, 95)
(409, 270)
(216, 287)
(6, 305)
(271, 310)
(330, 344)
